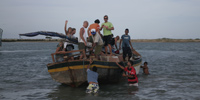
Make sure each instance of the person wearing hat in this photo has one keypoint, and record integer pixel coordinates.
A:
(97, 43)
(95, 26)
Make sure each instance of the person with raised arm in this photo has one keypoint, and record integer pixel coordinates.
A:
(69, 30)
(92, 78)
(67, 45)
(130, 73)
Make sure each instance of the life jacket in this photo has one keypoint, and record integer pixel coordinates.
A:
(132, 72)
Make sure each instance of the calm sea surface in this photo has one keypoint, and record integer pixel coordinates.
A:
(174, 68)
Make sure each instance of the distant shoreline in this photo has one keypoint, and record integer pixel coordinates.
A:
(165, 40)
(133, 40)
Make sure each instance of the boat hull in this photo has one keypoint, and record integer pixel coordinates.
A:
(74, 72)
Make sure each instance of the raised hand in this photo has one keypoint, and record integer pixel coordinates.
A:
(66, 21)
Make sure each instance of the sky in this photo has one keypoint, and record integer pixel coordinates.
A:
(145, 19)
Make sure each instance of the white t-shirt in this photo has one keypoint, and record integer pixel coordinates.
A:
(67, 41)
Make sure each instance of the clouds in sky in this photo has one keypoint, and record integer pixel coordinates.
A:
(146, 19)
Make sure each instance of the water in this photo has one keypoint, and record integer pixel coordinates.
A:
(174, 69)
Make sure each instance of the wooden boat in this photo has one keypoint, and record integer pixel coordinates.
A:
(73, 72)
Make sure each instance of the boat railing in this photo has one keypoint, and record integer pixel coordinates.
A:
(73, 51)
(66, 52)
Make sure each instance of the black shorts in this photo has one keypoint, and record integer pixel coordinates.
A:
(107, 40)
(127, 50)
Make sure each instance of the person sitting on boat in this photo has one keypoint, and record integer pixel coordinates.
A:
(126, 44)
(130, 73)
(95, 26)
(82, 40)
(92, 78)
(145, 68)
(114, 43)
(59, 52)
(97, 43)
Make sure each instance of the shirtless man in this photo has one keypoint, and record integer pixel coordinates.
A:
(145, 68)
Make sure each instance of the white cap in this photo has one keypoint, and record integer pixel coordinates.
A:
(93, 30)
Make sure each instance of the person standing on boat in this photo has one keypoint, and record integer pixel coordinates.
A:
(145, 68)
(126, 45)
(82, 40)
(95, 26)
(107, 35)
(92, 78)
(130, 73)
(97, 43)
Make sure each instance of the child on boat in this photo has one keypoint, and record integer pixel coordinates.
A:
(145, 68)
(130, 73)
(92, 77)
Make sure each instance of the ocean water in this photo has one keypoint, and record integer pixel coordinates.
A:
(174, 74)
